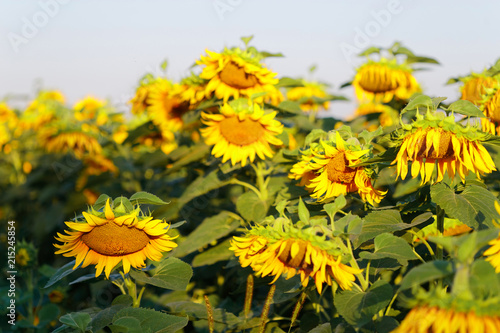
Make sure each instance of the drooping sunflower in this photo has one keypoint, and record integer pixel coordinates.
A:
(193, 90)
(165, 106)
(475, 87)
(435, 141)
(286, 249)
(94, 166)
(490, 105)
(236, 73)
(381, 81)
(435, 319)
(75, 141)
(241, 133)
(300, 171)
(306, 95)
(114, 236)
(333, 166)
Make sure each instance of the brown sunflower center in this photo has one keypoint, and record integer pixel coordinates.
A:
(338, 171)
(445, 147)
(241, 133)
(236, 77)
(111, 239)
(296, 261)
(378, 80)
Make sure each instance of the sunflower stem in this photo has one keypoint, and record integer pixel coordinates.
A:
(391, 303)
(354, 264)
(262, 182)
(427, 245)
(251, 187)
(440, 228)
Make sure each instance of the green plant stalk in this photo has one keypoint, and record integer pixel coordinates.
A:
(262, 182)
(440, 228)
(354, 264)
(132, 291)
(461, 282)
(265, 310)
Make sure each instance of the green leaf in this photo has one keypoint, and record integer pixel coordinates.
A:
(369, 51)
(171, 273)
(289, 82)
(195, 153)
(126, 324)
(124, 203)
(290, 107)
(150, 320)
(418, 102)
(304, 214)
(358, 307)
(474, 206)
(211, 229)
(220, 252)
(484, 282)
(61, 273)
(315, 135)
(48, 313)
(247, 40)
(101, 201)
(426, 272)
(383, 221)
(105, 317)
(76, 320)
(164, 64)
(251, 207)
(332, 208)
(420, 59)
(390, 246)
(145, 198)
(466, 108)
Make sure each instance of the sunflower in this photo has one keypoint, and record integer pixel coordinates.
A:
(106, 239)
(452, 227)
(94, 166)
(241, 132)
(7, 116)
(433, 140)
(300, 170)
(425, 318)
(288, 250)
(87, 108)
(139, 101)
(475, 87)
(490, 106)
(307, 95)
(76, 141)
(382, 81)
(165, 106)
(193, 90)
(335, 174)
(164, 139)
(235, 73)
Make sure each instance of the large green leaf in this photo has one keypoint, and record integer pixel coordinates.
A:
(220, 252)
(61, 273)
(76, 320)
(251, 207)
(150, 320)
(358, 307)
(211, 229)
(171, 273)
(466, 108)
(390, 246)
(474, 206)
(426, 272)
(105, 317)
(383, 221)
(146, 198)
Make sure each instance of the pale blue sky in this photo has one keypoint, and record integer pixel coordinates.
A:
(104, 47)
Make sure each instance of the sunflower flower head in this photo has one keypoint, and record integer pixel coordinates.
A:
(26, 255)
(88, 108)
(119, 234)
(440, 311)
(310, 95)
(387, 116)
(490, 105)
(435, 141)
(381, 81)
(239, 73)
(241, 131)
(329, 169)
(80, 141)
(281, 248)
(193, 90)
(475, 85)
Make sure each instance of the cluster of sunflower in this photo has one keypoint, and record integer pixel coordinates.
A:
(387, 222)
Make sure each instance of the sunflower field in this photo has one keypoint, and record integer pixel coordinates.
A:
(231, 202)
